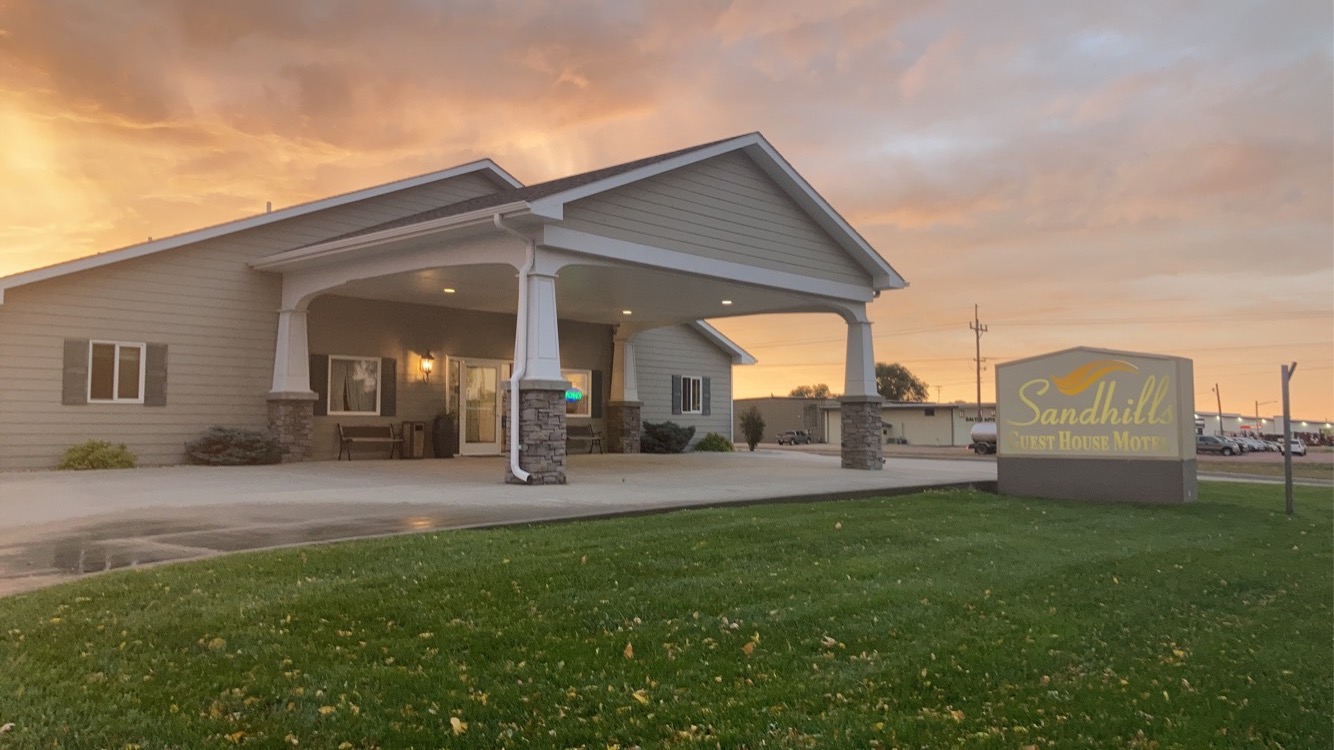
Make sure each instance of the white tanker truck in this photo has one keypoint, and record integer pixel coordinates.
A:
(983, 436)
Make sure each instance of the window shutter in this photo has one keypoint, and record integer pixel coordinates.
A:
(155, 375)
(74, 387)
(388, 387)
(676, 394)
(319, 382)
(704, 397)
(595, 393)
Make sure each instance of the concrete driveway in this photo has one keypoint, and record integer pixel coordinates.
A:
(63, 524)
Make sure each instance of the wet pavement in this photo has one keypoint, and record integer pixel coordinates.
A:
(59, 525)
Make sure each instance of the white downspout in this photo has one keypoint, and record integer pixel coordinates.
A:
(520, 367)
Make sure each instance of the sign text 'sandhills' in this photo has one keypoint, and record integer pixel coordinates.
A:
(1093, 403)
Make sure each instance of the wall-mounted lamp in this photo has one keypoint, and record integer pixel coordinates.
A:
(427, 365)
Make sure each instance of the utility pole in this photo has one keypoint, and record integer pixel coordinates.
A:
(1258, 419)
(1286, 371)
(978, 329)
(1219, 394)
(937, 394)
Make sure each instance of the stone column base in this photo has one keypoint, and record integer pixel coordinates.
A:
(861, 432)
(292, 424)
(623, 426)
(541, 436)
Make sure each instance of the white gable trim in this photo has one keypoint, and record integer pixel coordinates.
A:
(883, 276)
(739, 356)
(657, 257)
(240, 225)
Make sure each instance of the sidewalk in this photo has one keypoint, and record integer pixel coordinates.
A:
(61, 524)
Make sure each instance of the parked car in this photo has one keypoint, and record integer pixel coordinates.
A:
(794, 437)
(1251, 444)
(1298, 447)
(1273, 446)
(1215, 444)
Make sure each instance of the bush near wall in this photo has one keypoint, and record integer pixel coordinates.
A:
(232, 446)
(97, 454)
(714, 443)
(665, 437)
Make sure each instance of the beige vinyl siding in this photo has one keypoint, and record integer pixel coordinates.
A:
(724, 208)
(661, 353)
(217, 316)
(372, 328)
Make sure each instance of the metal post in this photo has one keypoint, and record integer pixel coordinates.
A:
(1286, 371)
(1219, 394)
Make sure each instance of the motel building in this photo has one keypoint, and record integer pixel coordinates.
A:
(522, 312)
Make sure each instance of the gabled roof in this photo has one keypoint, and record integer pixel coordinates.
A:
(218, 230)
(548, 199)
(739, 356)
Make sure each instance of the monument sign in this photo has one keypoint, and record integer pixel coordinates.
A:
(1097, 424)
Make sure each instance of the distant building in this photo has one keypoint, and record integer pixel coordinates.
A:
(901, 422)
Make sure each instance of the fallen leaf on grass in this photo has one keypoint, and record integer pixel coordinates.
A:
(640, 696)
(629, 651)
(749, 648)
(326, 710)
(828, 642)
(458, 725)
(6, 727)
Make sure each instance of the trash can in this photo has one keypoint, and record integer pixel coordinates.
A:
(414, 439)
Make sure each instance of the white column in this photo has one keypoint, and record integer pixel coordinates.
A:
(291, 357)
(543, 356)
(624, 382)
(860, 377)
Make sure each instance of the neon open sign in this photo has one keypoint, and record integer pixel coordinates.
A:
(574, 395)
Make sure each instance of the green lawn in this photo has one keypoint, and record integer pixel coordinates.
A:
(936, 620)
(1315, 468)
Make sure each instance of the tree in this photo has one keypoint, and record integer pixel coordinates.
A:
(811, 391)
(752, 426)
(896, 383)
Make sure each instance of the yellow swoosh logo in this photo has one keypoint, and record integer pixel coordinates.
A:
(1079, 379)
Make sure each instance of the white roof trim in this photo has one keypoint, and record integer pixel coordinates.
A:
(883, 276)
(739, 356)
(289, 258)
(239, 225)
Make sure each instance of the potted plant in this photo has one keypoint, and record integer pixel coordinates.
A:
(445, 434)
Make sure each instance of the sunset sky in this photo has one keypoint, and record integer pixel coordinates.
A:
(1154, 176)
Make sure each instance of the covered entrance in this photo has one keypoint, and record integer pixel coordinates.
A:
(584, 267)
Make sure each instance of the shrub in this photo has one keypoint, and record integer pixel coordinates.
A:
(665, 437)
(232, 446)
(752, 426)
(97, 454)
(713, 442)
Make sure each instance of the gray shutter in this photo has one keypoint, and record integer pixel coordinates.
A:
(155, 375)
(388, 387)
(319, 382)
(704, 397)
(595, 393)
(676, 394)
(74, 386)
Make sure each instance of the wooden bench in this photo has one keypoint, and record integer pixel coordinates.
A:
(582, 434)
(378, 434)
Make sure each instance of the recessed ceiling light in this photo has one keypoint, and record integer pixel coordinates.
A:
(727, 302)
(449, 290)
(627, 312)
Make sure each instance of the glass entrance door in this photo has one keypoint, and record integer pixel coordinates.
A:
(479, 423)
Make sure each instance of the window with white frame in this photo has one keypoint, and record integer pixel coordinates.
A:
(116, 372)
(354, 385)
(692, 398)
(579, 396)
